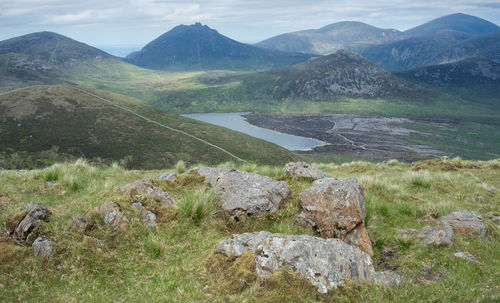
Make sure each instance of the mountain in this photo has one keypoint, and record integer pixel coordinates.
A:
(342, 74)
(53, 123)
(457, 22)
(198, 46)
(328, 39)
(474, 79)
(441, 47)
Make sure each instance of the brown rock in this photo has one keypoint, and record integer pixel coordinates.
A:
(466, 223)
(113, 215)
(359, 237)
(336, 208)
(81, 223)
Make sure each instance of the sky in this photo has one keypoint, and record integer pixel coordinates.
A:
(133, 23)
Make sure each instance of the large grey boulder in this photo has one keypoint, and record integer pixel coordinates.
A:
(147, 187)
(42, 247)
(326, 263)
(245, 194)
(441, 235)
(336, 208)
(466, 223)
(21, 224)
(303, 169)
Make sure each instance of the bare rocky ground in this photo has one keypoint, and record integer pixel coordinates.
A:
(369, 137)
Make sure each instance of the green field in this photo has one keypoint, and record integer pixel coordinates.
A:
(176, 262)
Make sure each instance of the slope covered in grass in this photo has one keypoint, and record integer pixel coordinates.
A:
(176, 262)
(42, 124)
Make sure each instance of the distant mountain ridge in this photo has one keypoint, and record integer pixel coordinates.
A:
(348, 35)
(457, 22)
(441, 47)
(197, 46)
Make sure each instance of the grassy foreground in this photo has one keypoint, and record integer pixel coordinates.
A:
(176, 262)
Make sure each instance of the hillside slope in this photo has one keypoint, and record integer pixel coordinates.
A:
(60, 122)
(198, 47)
(457, 22)
(348, 35)
(475, 79)
(441, 47)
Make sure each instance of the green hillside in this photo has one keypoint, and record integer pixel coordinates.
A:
(39, 125)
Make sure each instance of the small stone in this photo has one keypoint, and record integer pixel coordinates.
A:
(466, 223)
(303, 169)
(147, 187)
(464, 255)
(147, 216)
(168, 177)
(50, 185)
(495, 218)
(441, 235)
(113, 215)
(81, 223)
(42, 247)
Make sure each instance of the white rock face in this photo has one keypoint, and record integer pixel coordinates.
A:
(245, 194)
(326, 263)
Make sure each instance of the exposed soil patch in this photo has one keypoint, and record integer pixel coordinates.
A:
(369, 137)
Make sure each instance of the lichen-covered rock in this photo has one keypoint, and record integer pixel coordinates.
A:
(441, 235)
(336, 208)
(147, 187)
(245, 194)
(326, 263)
(21, 224)
(147, 216)
(81, 223)
(113, 215)
(42, 247)
(168, 177)
(303, 169)
(464, 255)
(466, 223)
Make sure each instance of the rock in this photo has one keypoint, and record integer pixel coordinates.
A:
(464, 255)
(441, 235)
(212, 175)
(336, 208)
(466, 223)
(168, 177)
(21, 224)
(50, 185)
(147, 187)
(359, 237)
(303, 169)
(42, 247)
(147, 216)
(326, 263)
(245, 194)
(113, 215)
(81, 223)
(495, 218)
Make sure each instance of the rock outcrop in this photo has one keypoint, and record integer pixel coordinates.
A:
(147, 187)
(168, 177)
(466, 223)
(113, 215)
(245, 194)
(441, 235)
(42, 247)
(336, 208)
(20, 225)
(326, 263)
(147, 216)
(303, 169)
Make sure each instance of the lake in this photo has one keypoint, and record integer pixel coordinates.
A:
(237, 122)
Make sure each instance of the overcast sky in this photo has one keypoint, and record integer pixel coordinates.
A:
(136, 22)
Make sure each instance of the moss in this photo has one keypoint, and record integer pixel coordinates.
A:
(235, 274)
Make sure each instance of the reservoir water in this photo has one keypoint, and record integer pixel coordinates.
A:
(237, 122)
